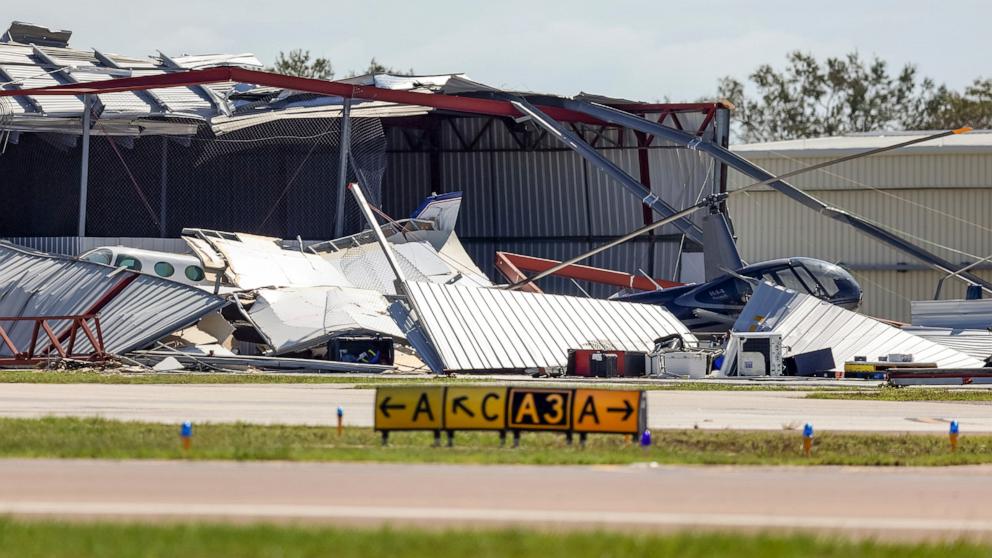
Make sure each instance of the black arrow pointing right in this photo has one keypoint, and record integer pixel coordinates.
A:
(385, 406)
(627, 410)
(459, 403)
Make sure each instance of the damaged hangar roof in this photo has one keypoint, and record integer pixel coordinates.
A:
(134, 309)
(32, 56)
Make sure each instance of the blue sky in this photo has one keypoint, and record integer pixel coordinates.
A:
(642, 50)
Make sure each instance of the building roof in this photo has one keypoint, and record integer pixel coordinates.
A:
(978, 141)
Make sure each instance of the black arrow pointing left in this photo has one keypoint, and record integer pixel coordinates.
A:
(385, 406)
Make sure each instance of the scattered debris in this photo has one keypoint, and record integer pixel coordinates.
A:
(807, 324)
(134, 309)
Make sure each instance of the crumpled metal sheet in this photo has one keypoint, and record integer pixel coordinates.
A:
(496, 329)
(808, 324)
(144, 309)
(293, 319)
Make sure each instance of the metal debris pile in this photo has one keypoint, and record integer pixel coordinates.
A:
(405, 296)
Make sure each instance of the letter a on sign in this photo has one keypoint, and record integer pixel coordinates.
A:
(609, 411)
(475, 408)
(408, 408)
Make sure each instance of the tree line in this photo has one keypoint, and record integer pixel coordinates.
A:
(297, 62)
(807, 98)
(842, 95)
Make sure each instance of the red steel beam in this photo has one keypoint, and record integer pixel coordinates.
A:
(521, 262)
(513, 273)
(222, 74)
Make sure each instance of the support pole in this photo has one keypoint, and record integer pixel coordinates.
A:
(344, 148)
(84, 164)
(394, 264)
(163, 186)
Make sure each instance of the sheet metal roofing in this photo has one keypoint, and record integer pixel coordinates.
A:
(145, 309)
(978, 141)
(496, 329)
(809, 324)
(958, 314)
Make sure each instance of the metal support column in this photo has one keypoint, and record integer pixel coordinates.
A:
(163, 188)
(84, 164)
(345, 147)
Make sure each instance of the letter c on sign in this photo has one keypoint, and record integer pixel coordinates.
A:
(485, 411)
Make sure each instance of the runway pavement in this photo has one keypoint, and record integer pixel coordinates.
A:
(317, 404)
(884, 502)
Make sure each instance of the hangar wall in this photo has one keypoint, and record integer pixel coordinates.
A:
(939, 197)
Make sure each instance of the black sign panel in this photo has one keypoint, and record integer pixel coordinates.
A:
(539, 409)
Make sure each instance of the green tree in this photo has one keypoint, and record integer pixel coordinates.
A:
(297, 63)
(840, 95)
(950, 109)
(375, 67)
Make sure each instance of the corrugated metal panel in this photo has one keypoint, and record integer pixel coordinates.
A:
(898, 171)
(808, 324)
(408, 178)
(974, 342)
(959, 314)
(35, 76)
(941, 216)
(681, 177)
(179, 99)
(124, 101)
(35, 284)
(74, 245)
(612, 209)
(471, 174)
(837, 146)
(539, 194)
(15, 54)
(493, 329)
(888, 294)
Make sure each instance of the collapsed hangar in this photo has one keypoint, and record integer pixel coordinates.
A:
(265, 160)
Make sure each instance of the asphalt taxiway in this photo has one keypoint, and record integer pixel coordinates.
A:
(317, 404)
(895, 503)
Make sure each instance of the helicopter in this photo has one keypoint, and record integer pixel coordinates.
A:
(715, 304)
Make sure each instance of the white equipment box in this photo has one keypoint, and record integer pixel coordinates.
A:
(686, 364)
(759, 354)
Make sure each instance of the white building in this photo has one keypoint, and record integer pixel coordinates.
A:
(937, 194)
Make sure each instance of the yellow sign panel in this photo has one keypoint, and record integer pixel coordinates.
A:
(539, 409)
(409, 408)
(607, 411)
(475, 408)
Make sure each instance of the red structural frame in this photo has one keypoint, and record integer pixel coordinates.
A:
(472, 105)
(512, 267)
(35, 353)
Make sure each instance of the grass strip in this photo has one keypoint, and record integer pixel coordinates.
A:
(364, 381)
(101, 438)
(907, 394)
(50, 539)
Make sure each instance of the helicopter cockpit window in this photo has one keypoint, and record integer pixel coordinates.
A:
(826, 274)
(789, 280)
(811, 283)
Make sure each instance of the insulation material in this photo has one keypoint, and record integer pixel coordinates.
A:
(260, 261)
(809, 324)
(135, 309)
(294, 319)
(366, 267)
(495, 329)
